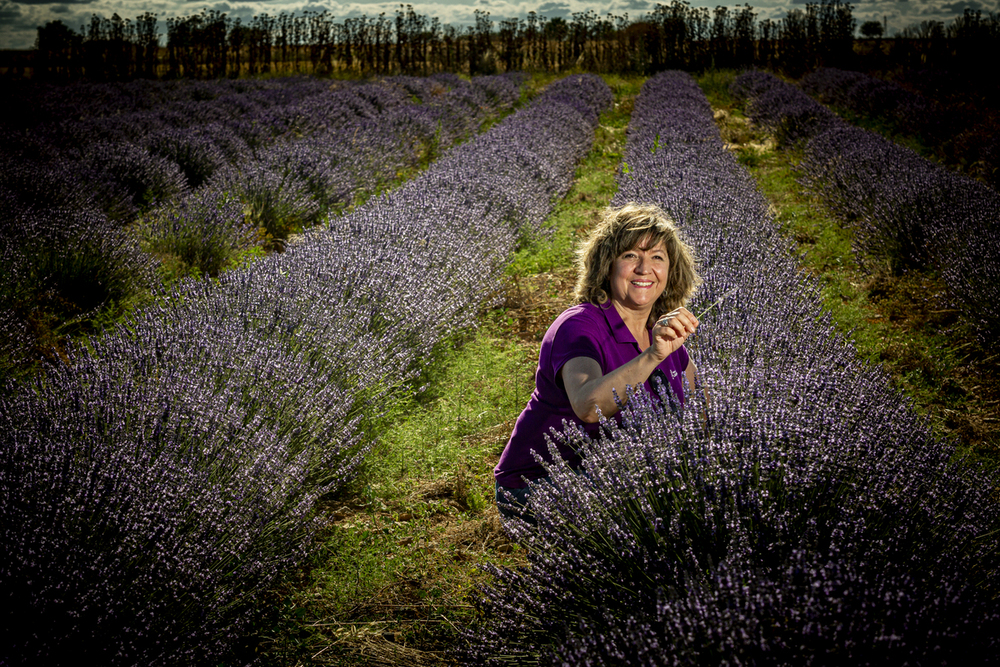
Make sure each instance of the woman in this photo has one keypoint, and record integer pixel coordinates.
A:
(629, 324)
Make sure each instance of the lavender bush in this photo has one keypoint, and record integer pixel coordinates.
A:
(276, 203)
(803, 514)
(73, 261)
(194, 151)
(781, 107)
(157, 483)
(205, 231)
(871, 97)
(906, 211)
(33, 184)
(124, 172)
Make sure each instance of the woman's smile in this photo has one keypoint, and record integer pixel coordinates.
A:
(639, 276)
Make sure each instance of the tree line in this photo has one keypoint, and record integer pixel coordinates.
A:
(212, 44)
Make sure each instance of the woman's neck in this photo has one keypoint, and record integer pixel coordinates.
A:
(636, 322)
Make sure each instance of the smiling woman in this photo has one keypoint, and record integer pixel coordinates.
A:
(628, 327)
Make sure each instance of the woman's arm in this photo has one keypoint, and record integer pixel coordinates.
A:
(589, 390)
(691, 371)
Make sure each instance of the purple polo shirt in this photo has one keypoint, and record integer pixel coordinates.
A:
(585, 330)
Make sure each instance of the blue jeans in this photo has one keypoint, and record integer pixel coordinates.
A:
(516, 506)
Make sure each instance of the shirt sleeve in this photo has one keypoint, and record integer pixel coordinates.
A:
(578, 336)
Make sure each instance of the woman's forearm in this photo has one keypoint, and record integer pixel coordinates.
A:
(589, 391)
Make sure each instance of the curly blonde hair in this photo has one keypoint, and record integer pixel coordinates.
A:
(622, 229)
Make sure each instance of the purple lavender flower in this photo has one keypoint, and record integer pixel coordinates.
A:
(131, 174)
(205, 231)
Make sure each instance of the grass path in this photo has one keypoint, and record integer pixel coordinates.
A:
(404, 545)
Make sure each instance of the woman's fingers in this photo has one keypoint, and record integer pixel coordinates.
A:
(677, 323)
(672, 330)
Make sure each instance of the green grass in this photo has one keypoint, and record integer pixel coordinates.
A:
(715, 85)
(476, 388)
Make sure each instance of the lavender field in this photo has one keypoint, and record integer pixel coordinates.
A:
(100, 179)
(954, 131)
(804, 515)
(161, 479)
(907, 212)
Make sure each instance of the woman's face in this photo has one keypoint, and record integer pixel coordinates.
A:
(639, 276)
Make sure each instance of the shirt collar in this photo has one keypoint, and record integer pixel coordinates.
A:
(618, 328)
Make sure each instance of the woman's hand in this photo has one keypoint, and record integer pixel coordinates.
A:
(671, 330)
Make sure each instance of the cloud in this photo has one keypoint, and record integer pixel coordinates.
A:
(960, 7)
(551, 9)
(9, 12)
(19, 27)
(637, 5)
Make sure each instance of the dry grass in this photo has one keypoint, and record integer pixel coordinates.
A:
(533, 302)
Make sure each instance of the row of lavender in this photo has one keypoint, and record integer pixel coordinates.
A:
(121, 149)
(873, 97)
(206, 168)
(801, 514)
(154, 486)
(951, 130)
(907, 212)
(202, 127)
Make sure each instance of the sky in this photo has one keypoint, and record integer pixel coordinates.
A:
(20, 19)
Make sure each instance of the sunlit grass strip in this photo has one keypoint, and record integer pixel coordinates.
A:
(804, 515)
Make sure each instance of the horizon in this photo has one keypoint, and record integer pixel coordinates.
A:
(19, 21)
